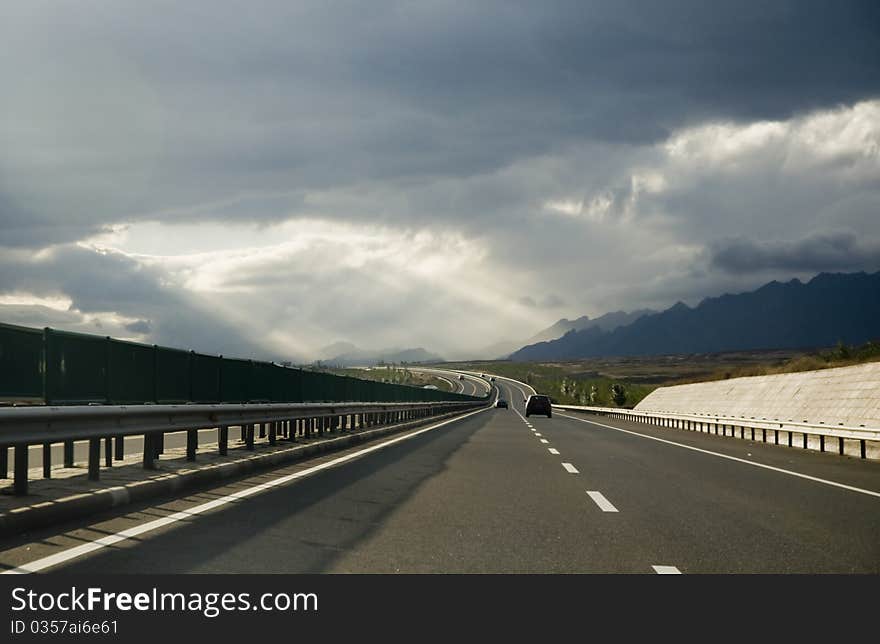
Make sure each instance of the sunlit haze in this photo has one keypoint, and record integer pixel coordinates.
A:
(268, 178)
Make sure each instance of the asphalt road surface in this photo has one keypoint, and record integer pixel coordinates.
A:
(495, 492)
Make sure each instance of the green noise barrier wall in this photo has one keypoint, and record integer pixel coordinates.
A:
(63, 368)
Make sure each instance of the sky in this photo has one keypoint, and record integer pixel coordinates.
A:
(264, 178)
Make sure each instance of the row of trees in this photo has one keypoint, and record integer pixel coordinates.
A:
(587, 393)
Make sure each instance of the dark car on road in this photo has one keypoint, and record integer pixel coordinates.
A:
(538, 404)
(501, 403)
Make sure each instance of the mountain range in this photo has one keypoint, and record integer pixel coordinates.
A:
(608, 322)
(829, 308)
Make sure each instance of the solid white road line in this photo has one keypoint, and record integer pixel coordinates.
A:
(603, 503)
(109, 540)
(553, 451)
(571, 469)
(732, 458)
(544, 440)
(666, 570)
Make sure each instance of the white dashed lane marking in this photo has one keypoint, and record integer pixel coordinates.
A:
(600, 500)
(730, 458)
(544, 440)
(666, 570)
(553, 451)
(571, 469)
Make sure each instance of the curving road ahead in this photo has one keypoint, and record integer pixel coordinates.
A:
(496, 492)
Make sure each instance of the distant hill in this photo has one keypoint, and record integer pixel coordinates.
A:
(353, 356)
(827, 309)
(337, 349)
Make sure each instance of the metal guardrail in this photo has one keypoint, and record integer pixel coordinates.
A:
(709, 422)
(21, 427)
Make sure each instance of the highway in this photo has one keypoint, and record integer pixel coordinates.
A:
(494, 492)
(462, 383)
(469, 384)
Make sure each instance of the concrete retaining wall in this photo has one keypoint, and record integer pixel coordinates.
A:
(845, 395)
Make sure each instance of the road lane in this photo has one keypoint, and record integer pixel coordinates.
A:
(722, 516)
(708, 514)
(480, 495)
(485, 494)
(470, 384)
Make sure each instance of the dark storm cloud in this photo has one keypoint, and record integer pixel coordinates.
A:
(828, 252)
(172, 113)
(140, 326)
(537, 134)
(110, 282)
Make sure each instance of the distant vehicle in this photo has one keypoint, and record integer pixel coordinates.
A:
(482, 375)
(538, 404)
(492, 379)
(429, 387)
(460, 377)
(501, 403)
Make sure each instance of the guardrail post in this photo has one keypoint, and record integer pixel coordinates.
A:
(821, 442)
(68, 453)
(47, 460)
(20, 482)
(4, 462)
(249, 437)
(273, 429)
(108, 451)
(119, 445)
(192, 443)
(223, 439)
(262, 430)
(94, 459)
(160, 443)
(149, 457)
